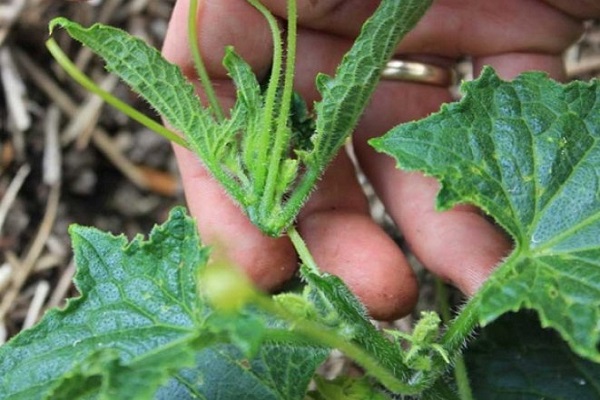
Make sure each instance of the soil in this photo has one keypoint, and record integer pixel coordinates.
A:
(65, 158)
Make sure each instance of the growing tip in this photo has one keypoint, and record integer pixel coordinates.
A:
(60, 21)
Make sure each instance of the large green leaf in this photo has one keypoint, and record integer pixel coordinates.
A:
(515, 359)
(103, 375)
(140, 321)
(527, 153)
(135, 299)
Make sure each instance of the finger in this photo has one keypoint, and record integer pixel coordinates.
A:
(337, 17)
(583, 9)
(455, 27)
(220, 24)
(269, 262)
(509, 65)
(450, 28)
(346, 242)
(459, 245)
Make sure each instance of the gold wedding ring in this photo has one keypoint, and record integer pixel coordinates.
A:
(418, 72)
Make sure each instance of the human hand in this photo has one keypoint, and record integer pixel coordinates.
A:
(459, 245)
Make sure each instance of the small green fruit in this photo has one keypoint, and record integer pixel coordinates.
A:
(226, 288)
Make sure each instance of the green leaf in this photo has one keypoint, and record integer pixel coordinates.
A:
(140, 321)
(527, 153)
(144, 69)
(345, 96)
(165, 88)
(103, 375)
(514, 358)
(339, 309)
(135, 299)
(278, 372)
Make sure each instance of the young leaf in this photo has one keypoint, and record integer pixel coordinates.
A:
(144, 69)
(527, 153)
(340, 307)
(380, 357)
(166, 89)
(345, 96)
(261, 154)
(515, 359)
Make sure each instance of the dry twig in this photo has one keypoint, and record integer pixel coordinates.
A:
(587, 66)
(85, 119)
(15, 93)
(11, 193)
(62, 287)
(137, 175)
(23, 271)
(37, 302)
(9, 13)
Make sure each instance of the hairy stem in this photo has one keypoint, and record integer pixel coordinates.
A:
(282, 133)
(323, 336)
(300, 194)
(302, 250)
(264, 142)
(460, 328)
(125, 108)
(460, 369)
(207, 86)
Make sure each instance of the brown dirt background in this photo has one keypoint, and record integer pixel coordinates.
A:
(65, 158)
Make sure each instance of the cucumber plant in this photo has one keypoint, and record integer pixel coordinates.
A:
(156, 319)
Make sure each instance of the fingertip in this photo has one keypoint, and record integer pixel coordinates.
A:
(353, 247)
(481, 246)
(459, 245)
(268, 262)
(233, 18)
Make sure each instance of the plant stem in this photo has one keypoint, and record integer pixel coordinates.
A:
(264, 139)
(461, 327)
(301, 192)
(302, 250)
(282, 133)
(207, 86)
(442, 300)
(460, 369)
(462, 379)
(321, 335)
(125, 108)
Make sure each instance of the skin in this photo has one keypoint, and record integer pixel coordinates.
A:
(459, 245)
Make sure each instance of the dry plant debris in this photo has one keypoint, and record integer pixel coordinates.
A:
(65, 157)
